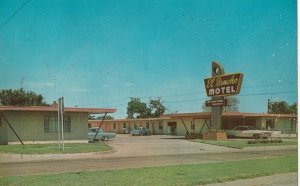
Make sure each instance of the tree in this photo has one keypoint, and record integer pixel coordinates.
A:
(157, 108)
(282, 107)
(20, 97)
(294, 108)
(98, 117)
(232, 105)
(137, 109)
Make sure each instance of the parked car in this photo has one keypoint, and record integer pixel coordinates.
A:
(248, 132)
(101, 135)
(140, 131)
(125, 131)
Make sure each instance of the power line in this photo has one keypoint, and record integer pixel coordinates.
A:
(270, 85)
(254, 94)
(14, 14)
(267, 93)
(200, 93)
(116, 103)
(189, 100)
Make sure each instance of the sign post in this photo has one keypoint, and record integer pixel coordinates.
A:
(218, 87)
(60, 123)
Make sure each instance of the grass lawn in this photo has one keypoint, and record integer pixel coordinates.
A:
(244, 143)
(194, 174)
(53, 148)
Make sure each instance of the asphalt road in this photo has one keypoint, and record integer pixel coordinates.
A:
(59, 166)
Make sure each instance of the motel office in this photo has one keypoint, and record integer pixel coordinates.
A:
(180, 124)
(39, 123)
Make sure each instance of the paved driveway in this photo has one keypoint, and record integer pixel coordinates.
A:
(128, 146)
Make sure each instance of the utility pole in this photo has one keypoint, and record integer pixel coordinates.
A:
(269, 106)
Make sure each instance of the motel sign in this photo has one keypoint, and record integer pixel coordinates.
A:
(224, 85)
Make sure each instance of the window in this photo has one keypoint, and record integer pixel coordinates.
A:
(160, 125)
(147, 125)
(67, 124)
(270, 123)
(124, 125)
(50, 124)
(192, 125)
(114, 125)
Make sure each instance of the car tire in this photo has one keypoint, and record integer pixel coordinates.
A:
(256, 136)
(104, 138)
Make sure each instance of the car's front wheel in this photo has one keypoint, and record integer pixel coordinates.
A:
(104, 138)
(256, 136)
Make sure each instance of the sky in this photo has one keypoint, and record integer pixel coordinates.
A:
(98, 53)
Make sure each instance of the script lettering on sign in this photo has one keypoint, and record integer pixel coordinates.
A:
(224, 85)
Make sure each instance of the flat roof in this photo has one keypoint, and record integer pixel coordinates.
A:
(207, 115)
(204, 115)
(133, 120)
(55, 108)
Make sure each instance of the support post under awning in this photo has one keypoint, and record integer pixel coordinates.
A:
(187, 131)
(100, 125)
(10, 126)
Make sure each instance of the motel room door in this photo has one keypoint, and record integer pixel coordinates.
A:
(172, 127)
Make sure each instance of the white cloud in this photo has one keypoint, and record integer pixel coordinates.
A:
(40, 84)
(129, 84)
(78, 90)
(105, 85)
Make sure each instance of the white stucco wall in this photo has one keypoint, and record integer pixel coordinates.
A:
(181, 130)
(30, 126)
(3, 132)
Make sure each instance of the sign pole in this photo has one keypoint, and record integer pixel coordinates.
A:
(62, 121)
(218, 86)
(58, 122)
(216, 111)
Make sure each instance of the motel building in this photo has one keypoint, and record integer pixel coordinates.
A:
(37, 124)
(199, 122)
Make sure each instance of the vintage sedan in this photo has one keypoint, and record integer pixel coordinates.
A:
(140, 131)
(247, 132)
(101, 135)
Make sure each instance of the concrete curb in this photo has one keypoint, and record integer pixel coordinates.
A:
(221, 145)
(18, 158)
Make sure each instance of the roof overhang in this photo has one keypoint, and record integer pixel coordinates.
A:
(134, 120)
(207, 115)
(55, 109)
(195, 115)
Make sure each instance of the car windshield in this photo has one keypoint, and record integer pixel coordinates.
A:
(94, 130)
(252, 128)
(246, 128)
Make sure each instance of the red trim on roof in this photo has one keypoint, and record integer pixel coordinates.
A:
(54, 109)
(132, 120)
(205, 115)
(189, 115)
